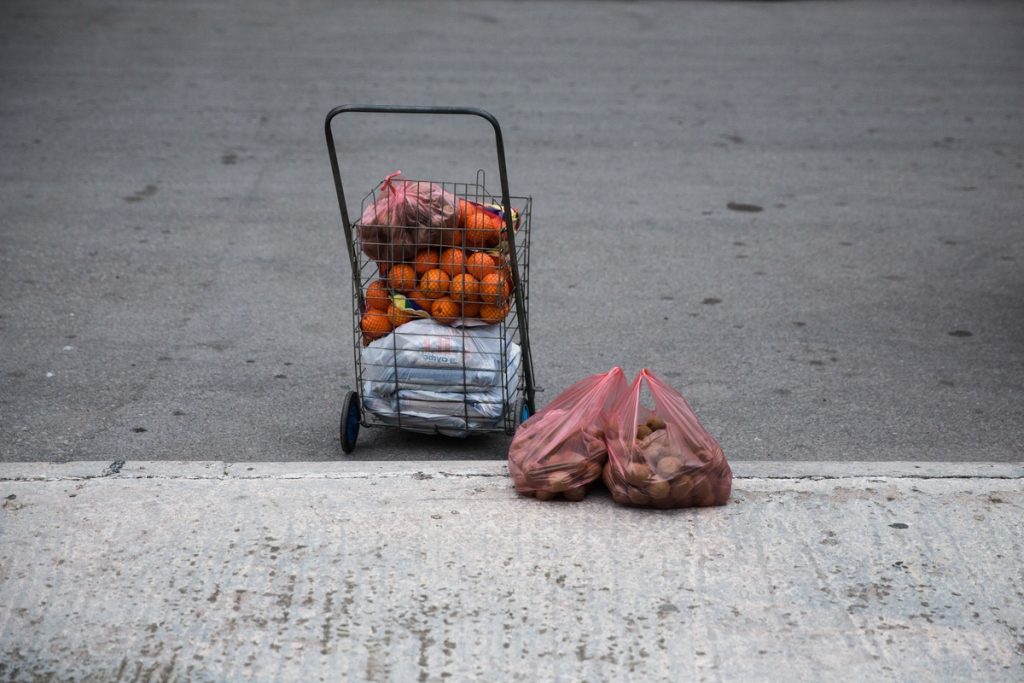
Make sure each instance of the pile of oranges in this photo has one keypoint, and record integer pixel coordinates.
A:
(445, 282)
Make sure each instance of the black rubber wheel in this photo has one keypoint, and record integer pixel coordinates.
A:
(524, 412)
(350, 420)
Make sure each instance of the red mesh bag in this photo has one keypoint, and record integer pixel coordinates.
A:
(663, 457)
(560, 451)
(406, 216)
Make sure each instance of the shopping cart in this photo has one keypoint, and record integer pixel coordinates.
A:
(440, 274)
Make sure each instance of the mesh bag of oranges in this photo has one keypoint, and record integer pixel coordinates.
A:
(407, 215)
(664, 457)
(434, 254)
(448, 284)
(560, 451)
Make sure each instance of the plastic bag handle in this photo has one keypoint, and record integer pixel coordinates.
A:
(688, 417)
(506, 202)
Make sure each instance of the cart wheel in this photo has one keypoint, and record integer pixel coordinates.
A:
(349, 426)
(524, 412)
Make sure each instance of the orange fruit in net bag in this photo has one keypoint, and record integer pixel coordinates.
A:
(444, 310)
(427, 259)
(464, 287)
(480, 263)
(402, 278)
(421, 300)
(398, 316)
(465, 212)
(454, 236)
(375, 323)
(493, 314)
(453, 261)
(377, 296)
(494, 289)
(483, 227)
(434, 283)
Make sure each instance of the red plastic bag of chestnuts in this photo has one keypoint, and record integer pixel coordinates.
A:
(560, 451)
(664, 457)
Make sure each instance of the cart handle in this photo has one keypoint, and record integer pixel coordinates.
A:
(403, 109)
(506, 202)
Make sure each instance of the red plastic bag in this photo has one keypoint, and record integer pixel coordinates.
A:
(561, 450)
(406, 216)
(663, 458)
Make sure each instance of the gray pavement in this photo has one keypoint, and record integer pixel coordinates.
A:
(214, 571)
(172, 273)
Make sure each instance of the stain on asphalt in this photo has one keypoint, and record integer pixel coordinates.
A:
(147, 191)
(745, 208)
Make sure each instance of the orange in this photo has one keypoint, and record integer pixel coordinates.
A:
(494, 289)
(427, 259)
(377, 295)
(465, 212)
(421, 300)
(453, 261)
(375, 323)
(483, 227)
(464, 287)
(470, 309)
(398, 316)
(480, 263)
(493, 314)
(445, 310)
(435, 283)
(453, 237)
(402, 278)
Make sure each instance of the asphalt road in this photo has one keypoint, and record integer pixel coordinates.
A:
(173, 282)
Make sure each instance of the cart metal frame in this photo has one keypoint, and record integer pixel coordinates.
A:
(353, 415)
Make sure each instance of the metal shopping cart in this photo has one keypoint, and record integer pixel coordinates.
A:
(440, 297)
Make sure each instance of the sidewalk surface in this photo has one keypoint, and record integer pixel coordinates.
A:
(156, 571)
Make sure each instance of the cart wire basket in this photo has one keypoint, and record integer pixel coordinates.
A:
(440, 297)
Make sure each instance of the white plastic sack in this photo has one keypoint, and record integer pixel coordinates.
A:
(478, 404)
(427, 422)
(428, 377)
(426, 354)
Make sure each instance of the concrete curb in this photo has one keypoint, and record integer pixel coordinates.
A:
(216, 469)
